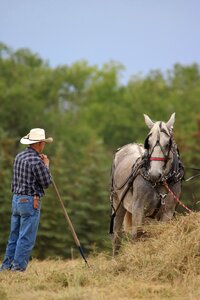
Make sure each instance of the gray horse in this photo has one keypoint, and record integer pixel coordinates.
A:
(138, 176)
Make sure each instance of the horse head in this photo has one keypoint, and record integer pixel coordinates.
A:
(158, 145)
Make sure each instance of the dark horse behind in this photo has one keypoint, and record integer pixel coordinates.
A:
(138, 176)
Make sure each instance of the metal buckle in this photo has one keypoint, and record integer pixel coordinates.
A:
(163, 196)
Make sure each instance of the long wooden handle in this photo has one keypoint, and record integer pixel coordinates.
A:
(70, 224)
(66, 215)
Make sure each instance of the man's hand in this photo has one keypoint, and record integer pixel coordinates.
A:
(45, 159)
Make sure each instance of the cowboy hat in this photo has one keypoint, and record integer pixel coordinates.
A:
(35, 135)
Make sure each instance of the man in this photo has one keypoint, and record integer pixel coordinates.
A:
(30, 176)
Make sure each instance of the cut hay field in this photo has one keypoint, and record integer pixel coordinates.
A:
(164, 266)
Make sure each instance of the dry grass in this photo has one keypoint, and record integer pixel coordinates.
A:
(164, 266)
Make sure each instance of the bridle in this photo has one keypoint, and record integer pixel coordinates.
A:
(167, 153)
(165, 157)
(155, 158)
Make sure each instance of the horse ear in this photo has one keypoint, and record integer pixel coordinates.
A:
(171, 121)
(148, 121)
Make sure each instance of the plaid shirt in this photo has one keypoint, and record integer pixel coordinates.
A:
(30, 175)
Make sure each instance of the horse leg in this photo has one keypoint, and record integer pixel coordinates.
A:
(137, 217)
(117, 232)
(168, 208)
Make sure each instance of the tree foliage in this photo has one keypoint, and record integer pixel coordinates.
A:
(90, 114)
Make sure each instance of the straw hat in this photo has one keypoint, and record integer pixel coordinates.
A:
(35, 135)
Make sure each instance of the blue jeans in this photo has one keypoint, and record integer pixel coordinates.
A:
(24, 226)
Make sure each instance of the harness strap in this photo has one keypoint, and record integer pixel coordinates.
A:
(157, 158)
(129, 183)
(133, 171)
(122, 198)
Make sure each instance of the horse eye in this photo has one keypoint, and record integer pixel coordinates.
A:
(167, 146)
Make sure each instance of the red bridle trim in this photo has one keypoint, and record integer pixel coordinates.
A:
(157, 158)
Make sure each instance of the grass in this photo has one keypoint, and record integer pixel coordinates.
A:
(166, 265)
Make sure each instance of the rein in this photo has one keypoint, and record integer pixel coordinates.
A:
(175, 197)
(194, 176)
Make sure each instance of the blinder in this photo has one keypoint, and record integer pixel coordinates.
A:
(170, 144)
(146, 143)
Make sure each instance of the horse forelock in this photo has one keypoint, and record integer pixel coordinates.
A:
(158, 128)
(155, 131)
